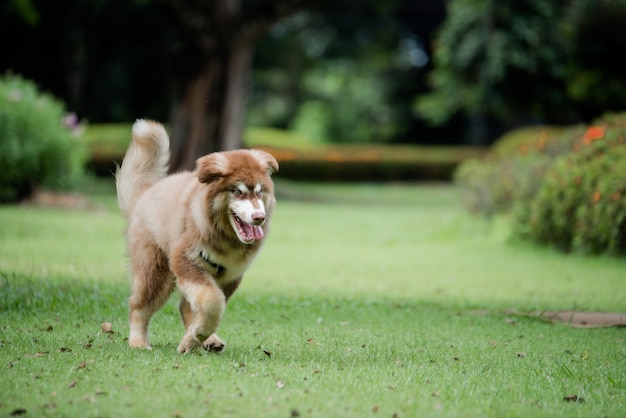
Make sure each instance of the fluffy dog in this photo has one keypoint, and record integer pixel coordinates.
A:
(198, 231)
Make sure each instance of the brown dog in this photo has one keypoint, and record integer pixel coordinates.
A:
(198, 231)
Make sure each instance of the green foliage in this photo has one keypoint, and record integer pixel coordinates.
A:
(334, 82)
(535, 59)
(343, 94)
(581, 205)
(514, 169)
(566, 189)
(496, 57)
(35, 146)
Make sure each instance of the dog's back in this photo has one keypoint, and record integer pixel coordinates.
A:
(145, 163)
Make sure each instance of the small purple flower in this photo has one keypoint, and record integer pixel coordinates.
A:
(70, 121)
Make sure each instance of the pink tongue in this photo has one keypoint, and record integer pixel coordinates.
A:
(258, 232)
(251, 232)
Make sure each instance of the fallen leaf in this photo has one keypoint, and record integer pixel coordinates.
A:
(72, 384)
(280, 384)
(375, 408)
(267, 353)
(295, 413)
(106, 327)
(82, 365)
(521, 354)
(17, 412)
(65, 350)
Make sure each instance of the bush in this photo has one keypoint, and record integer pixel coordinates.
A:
(566, 189)
(581, 205)
(513, 170)
(36, 149)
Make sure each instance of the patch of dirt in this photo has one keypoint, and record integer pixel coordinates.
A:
(578, 319)
(575, 319)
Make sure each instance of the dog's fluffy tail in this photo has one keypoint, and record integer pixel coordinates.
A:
(145, 163)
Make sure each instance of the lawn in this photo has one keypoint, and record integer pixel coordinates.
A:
(367, 300)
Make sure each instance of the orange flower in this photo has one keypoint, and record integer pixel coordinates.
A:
(543, 138)
(593, 133)
(596, 197)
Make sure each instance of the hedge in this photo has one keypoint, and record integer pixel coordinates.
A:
(302, 160)
(581, 205)
(564, 188)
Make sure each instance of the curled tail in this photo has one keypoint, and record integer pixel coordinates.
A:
(145, 163)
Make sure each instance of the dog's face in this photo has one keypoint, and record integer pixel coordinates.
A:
(242, 190)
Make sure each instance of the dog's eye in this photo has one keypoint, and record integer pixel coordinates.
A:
(237, 192)
(259, 193)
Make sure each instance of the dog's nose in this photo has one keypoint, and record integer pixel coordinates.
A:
(258, 218)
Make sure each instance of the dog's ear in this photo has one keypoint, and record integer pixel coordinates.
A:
(211, 167)
(267, 160)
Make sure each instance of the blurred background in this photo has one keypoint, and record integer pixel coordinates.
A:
(401, 71)
(229, 73)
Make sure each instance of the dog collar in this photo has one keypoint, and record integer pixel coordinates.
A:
(220, 268)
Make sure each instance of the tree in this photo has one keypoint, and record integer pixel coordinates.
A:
(347, 73)
(524, 61)
(497, 59)
(213, 44)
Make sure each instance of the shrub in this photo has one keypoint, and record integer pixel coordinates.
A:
(581, 205)
(35, 146)
(513, 170)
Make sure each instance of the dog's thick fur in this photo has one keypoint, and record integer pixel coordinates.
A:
(198, 231)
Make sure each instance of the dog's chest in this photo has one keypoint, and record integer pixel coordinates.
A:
(224, 268)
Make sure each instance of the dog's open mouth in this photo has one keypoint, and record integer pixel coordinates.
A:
(246, 232)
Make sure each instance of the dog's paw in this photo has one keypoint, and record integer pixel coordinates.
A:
(139, 343)
(214, 344)
(188, 344)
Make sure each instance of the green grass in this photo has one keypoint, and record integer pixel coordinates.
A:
(367, 300)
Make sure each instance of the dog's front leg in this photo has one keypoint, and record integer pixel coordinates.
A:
(213, 343)
(202, 306)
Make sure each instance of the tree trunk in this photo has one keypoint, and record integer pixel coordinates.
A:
(212, 57)
(208, 110)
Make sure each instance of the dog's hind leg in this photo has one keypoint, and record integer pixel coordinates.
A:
(152, 285)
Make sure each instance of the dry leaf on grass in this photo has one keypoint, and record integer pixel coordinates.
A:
(107, 327)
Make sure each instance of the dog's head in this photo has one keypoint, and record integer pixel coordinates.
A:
(242, 189)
